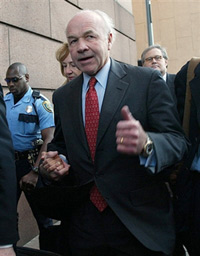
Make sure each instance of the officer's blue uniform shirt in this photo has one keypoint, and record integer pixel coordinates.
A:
(24, 133)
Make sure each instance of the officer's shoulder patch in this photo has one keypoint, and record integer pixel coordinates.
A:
(47, 106)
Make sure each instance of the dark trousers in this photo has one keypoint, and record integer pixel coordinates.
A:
(22, 168)
(91, 233)
(195, 216)
(189, 236)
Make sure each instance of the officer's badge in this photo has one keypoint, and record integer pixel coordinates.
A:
(29, 109)
(47, 106)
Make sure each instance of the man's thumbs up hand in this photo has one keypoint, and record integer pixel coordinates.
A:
(126, 114)
(130, 136)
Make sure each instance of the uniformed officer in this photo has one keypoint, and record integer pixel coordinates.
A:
(31, 122)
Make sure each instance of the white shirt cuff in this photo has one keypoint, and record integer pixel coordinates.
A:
(5, 246)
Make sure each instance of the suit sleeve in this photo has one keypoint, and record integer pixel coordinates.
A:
(8, 212)
(58, 143)
(170, 143)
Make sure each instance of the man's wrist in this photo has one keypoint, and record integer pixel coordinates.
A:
(148, 147)
(35, 169)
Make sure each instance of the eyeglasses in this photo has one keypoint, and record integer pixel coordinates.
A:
(157, 58)
(13, 79)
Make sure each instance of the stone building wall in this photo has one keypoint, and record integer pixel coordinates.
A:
(32, 30)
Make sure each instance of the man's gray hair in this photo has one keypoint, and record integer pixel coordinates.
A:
(109, 24)
(157, 46)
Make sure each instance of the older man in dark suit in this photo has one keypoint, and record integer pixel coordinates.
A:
(118, 128)
(8, 213)
(156, 57)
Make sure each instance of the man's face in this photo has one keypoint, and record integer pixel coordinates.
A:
(154, 59)
(88, 43)
(69, 69)
(17, 83)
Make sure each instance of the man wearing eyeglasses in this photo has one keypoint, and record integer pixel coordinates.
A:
(31, 122)
(156, 57)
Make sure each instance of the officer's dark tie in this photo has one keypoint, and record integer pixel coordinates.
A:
(91, 128)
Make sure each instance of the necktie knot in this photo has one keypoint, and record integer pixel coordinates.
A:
(92, 82)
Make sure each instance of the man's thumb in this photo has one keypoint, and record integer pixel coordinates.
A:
(126, 114)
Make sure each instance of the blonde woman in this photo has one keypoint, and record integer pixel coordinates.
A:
(67, 66)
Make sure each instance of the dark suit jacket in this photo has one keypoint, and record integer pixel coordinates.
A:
(184, 206)
(180, 89)
(138, 197)
(170, 82)
(8, 212)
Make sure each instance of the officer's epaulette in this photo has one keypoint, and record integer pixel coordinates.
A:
(36, 94)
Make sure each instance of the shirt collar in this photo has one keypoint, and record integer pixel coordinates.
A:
(165, 77)
(101, 76)
(27, 96)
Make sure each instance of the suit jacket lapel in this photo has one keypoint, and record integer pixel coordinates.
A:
(76, 111)
(170, 83)
(115, 90)
(195, 89)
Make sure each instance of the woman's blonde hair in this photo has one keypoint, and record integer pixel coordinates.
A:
(61, 54)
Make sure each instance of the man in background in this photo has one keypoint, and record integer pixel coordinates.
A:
(8, 209)
(188, 210)
(155, 56)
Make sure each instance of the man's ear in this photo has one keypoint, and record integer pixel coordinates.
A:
(27, 77)
(110, 39)
(166, 63)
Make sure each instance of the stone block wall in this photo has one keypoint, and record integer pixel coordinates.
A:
(31, 31)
